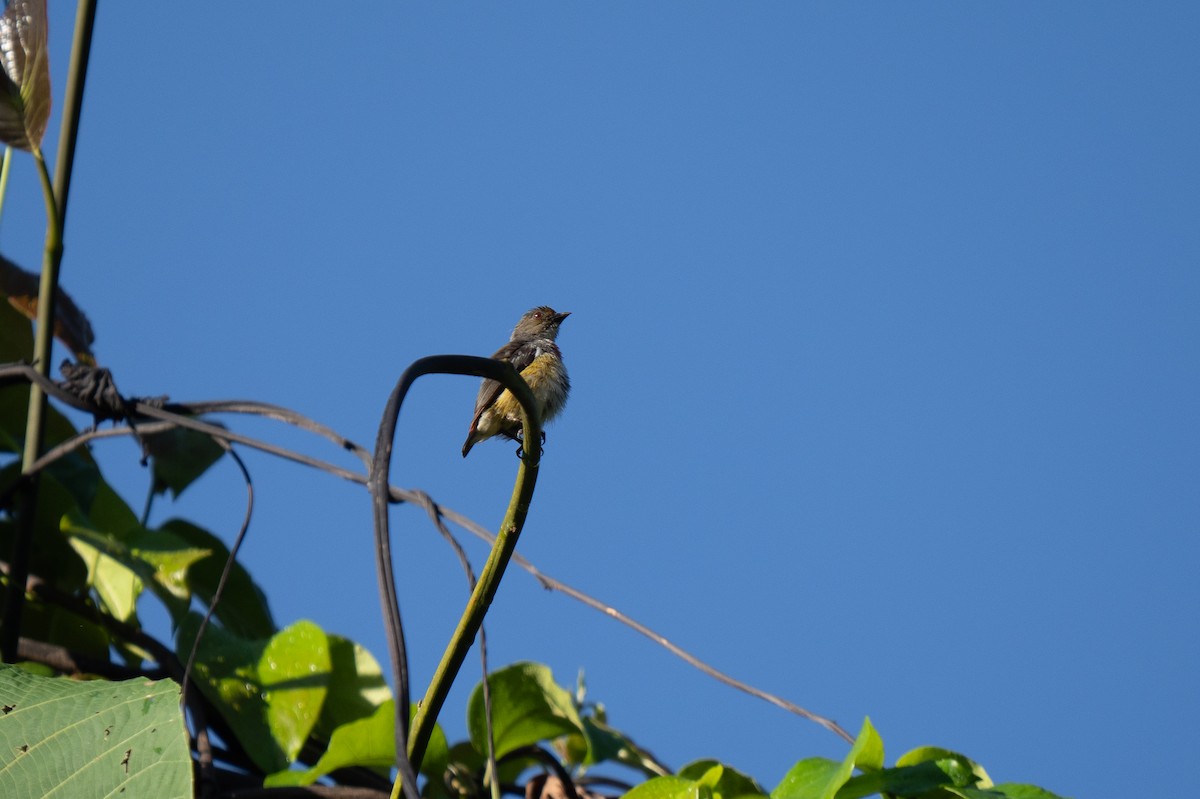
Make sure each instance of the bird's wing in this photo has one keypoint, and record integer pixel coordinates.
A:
(520, 354)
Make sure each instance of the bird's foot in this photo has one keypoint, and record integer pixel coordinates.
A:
(521, 444)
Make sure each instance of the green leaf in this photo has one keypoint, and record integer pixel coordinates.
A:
(916, 780)
(117, 585)
(169, 556)
(867, 752)
(601, 743)
(818, 778)
(25, 82)
(370, 741)
(271, 690)
(669, 788)
(962, 771)
(527, 707)
(66, 738)
(810, 779)
(357, 688)
(137, 557)
(179, 456)
(55, 625)
(52, 556)
(294, 672)
(725, 781)
(243, 608)
(107, 511)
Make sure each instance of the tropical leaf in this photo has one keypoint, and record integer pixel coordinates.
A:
(61, 737)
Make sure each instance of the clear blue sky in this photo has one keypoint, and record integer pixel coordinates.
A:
(885, 341)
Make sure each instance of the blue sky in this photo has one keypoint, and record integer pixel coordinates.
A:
(885, 343)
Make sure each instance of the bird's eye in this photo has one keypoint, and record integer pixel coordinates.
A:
(537, 315)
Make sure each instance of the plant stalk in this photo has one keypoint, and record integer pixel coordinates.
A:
(484, 591)
(55, 195)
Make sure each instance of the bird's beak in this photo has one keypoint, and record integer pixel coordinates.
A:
(558, 317)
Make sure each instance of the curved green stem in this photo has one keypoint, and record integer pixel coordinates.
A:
(481, 597)
(502, 551)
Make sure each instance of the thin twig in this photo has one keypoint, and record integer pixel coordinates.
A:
(548, 582)
(281, 414)
(229, 563)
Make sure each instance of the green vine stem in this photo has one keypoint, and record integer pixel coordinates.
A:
(411, 749)
(481, 598)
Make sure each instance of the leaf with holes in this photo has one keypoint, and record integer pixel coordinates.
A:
(60, 737)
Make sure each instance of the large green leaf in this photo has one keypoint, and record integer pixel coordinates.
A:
(270, 690)
(527, 707)
(25, 82)
(59, 737)
(357, 719)
(811, 778)
(294, 672)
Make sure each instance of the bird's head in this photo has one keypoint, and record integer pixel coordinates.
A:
(540, 322)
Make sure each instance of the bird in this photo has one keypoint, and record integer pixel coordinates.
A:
(535, 356)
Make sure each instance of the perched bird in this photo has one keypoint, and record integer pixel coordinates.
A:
(536, 357)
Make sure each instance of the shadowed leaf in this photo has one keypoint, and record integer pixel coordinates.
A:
(270, 690)
(179, 456)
